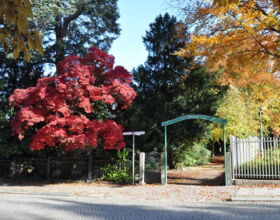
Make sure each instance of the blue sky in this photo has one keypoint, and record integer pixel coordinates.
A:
(136, 15)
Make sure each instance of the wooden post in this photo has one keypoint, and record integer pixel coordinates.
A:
(142, 168)
(89, 169)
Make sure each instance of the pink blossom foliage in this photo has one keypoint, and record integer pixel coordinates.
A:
(58, 108)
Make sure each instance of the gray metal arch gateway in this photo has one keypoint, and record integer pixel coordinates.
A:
(221, 121)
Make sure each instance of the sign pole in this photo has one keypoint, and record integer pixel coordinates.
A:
(133, 133)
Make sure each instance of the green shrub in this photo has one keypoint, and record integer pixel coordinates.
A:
(113, 174)
(191, 155)
(122, 154)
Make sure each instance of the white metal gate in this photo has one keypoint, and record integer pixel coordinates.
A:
(255, 158)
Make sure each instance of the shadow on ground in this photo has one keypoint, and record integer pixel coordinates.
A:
(41, 183)
(56, 208)
(211, 174)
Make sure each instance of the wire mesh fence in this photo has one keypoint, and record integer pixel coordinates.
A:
(153, 162)
(153, 167)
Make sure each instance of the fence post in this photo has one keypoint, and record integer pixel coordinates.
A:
(142, 168)
(228, 171)
(48, 168)
(233, 156)
(89, 169)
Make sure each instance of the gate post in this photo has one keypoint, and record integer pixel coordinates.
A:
(142, 168)
(164, 160)
(163, 169)
(228, 168)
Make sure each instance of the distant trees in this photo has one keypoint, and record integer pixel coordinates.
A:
(167, 88)
(158, 81)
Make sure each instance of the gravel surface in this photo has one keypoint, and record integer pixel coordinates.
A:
(171, 192)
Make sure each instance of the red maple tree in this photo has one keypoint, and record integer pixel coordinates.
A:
(61, 109)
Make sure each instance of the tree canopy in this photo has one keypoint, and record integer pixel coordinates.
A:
(242, 40)
(228, 2)
(69, 27)
(65, 110)
(167, 88)
(15, 33)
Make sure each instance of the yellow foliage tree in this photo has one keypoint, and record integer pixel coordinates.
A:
(15, 34)
(242, 37)
(228, 2)
(241, 107)
(242, 119)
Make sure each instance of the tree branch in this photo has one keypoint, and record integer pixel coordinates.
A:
(67, 20)
(260, 44)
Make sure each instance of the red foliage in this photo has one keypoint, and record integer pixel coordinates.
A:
(62, 104)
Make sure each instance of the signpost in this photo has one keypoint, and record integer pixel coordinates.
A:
(133, 133)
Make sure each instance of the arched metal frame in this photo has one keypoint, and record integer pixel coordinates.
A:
(221, 121)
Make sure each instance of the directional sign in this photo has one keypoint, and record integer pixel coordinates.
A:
(137, 133)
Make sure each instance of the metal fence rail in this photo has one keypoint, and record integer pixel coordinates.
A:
(255, 158)
(56, 169)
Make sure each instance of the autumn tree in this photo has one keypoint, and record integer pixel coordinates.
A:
(222, 3)
(15, 34)
(69, 24)
(242, 39)
(64, 110)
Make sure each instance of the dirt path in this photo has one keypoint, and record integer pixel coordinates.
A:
(211, 174)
